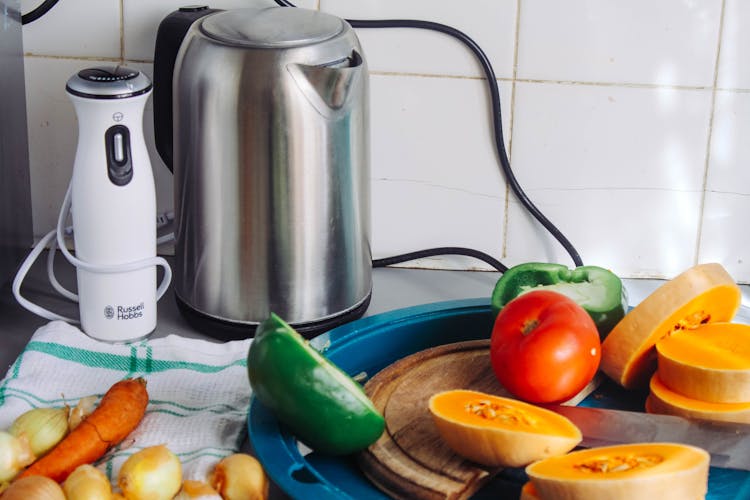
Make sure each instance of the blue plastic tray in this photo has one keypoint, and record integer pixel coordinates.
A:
(372, 343)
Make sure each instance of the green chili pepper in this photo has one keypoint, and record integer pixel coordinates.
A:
(321, 405)
(598, 290)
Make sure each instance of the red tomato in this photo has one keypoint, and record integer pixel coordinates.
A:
(545, 348)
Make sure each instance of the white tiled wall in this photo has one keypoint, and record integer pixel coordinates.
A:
(626, 122)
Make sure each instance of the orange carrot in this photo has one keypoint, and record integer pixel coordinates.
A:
(119, 412)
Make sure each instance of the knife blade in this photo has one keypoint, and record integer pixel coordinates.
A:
(727, 443)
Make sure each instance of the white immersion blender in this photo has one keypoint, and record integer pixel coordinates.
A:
(113, 202)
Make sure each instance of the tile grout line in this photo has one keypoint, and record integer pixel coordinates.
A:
(709, 139)
(122, 32)
(655, 86)
(511, 123)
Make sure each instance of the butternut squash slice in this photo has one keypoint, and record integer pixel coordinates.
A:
(663, 400)
(500, 432)
(705, 293)
(660, 471)
(710, 363)
(528, 492)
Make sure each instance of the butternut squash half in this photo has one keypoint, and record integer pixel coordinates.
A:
(660, 471)
(703, 294)
(498, 431)
(665, 401)
(710, 363)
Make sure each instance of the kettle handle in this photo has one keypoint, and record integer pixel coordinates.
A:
(172, 31)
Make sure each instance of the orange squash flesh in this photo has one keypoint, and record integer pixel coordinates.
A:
(660, 471)
(498, 431)
(528, 492)
(710, 363)
(705, 293)
(663, 400)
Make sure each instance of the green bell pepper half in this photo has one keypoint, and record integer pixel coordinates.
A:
(320, 404)
(598, 290)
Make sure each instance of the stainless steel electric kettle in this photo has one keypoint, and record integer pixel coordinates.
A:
(264, 120)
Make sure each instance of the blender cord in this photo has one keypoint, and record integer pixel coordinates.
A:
(55, 238)
(498, 131)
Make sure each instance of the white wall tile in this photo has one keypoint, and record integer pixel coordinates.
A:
(607, 137)
(74, 28)
(436, 181)
(729, 165)
(53, 133)
(490, 23)
(734, 71)
(612, 167)
(724, 235)
(640, 41)
(636, 233)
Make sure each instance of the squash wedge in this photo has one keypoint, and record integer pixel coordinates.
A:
(662, 471)
(705, 293)
(497, 431)
(665, 401)
(710, 363)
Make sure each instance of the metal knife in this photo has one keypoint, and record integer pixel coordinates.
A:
(727, 443)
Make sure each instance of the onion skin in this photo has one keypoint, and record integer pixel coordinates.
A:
(15, 454)
(154, 473)
(34, 487)
(43, 427)
(87, 482)
(240, 477)
(197, 490)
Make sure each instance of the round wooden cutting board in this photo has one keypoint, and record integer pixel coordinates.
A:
(410, 460)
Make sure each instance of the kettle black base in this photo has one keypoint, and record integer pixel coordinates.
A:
(226, 330)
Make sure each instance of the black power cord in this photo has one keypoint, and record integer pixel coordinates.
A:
(38, 12)
(498, 135)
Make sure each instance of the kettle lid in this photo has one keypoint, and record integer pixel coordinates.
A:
(272, 27)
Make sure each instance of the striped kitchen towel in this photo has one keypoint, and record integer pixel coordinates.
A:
(199, 392)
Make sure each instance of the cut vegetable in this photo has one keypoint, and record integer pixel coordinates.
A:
(322, 406)
(705, 293)
(497, 431)
(660, 471)
(710, 363)
(663, 400)
(528, 492)
(598, 290)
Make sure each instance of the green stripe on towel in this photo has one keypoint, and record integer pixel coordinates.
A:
(130, 364)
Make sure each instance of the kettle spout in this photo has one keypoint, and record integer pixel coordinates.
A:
(328, 86)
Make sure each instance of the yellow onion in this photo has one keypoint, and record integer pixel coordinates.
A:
(240, 477)
(43, 428)
(197, 490)
(153, 473)
(34, 487)
(87, 482)
(15, 454)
